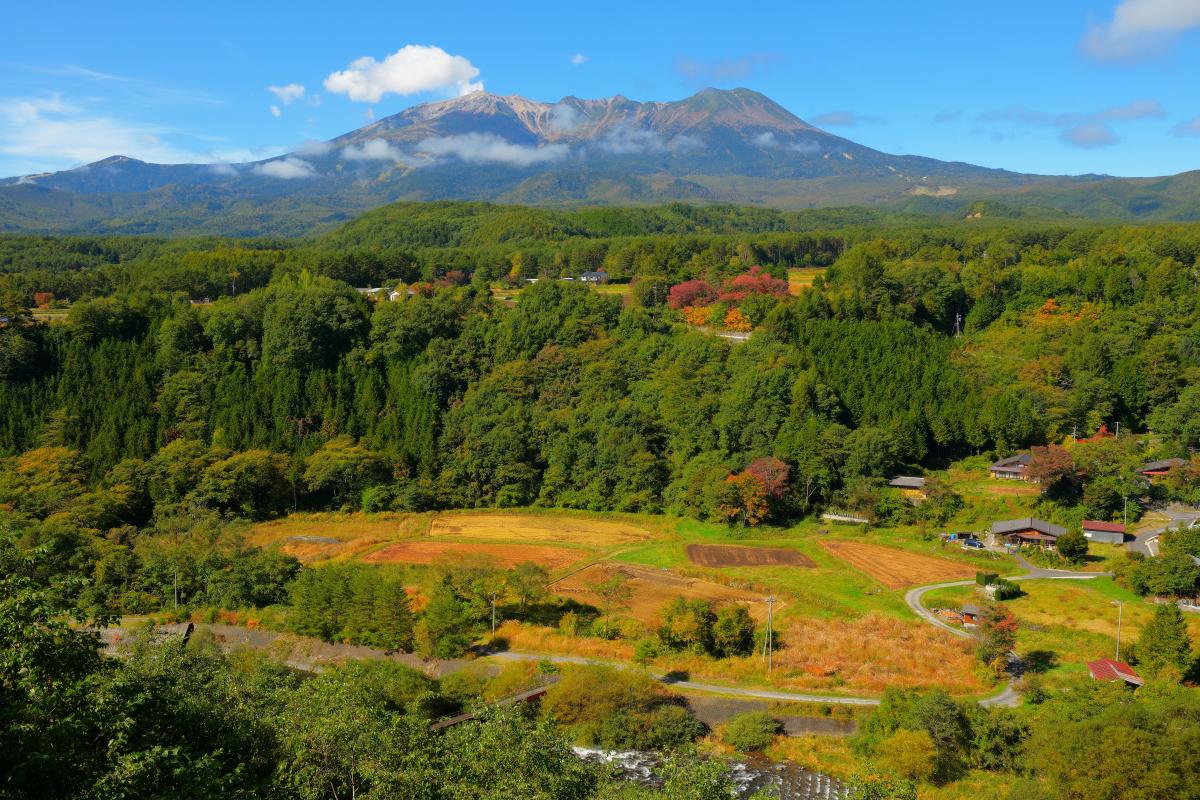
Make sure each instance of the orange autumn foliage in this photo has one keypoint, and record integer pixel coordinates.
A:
(735, 320)
(697, 315)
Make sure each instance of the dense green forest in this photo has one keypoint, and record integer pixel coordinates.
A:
(166, 389)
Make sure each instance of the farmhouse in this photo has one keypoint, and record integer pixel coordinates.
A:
(911, 487)
(1013, 468)
(1105, 669)
(971, 614)
(1105, 532)
(594, 276)
(1157, 469)
(1028, 531)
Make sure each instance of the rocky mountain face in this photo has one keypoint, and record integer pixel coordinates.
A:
(734, 146)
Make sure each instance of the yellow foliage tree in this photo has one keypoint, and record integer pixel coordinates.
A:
(735, 320)
(909, 753)
(697, 315)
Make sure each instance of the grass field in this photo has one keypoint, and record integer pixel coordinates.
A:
(897, 569)
(801, 278)
(1064, 624)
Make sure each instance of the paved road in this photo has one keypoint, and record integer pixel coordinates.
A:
(1177, 514)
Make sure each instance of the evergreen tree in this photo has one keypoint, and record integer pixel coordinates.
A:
(1163, 644)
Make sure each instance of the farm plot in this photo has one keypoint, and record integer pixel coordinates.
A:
(894, 568)
(536, 528)
(653, 589)
(315, 537)
(501, 555)
(718, 555)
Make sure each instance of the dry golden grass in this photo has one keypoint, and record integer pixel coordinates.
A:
(501, 555)
(538, 639)
(537, 528)
(315, 537)
(653, 589)
(1011, 489)
(801, 278)
(894, 568)
(873, 653)
(828, 754)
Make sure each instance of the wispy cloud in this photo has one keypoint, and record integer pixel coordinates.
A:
(1140, 29)
(410, 70)
(844, 119)
(1190, 127)
(628, 140)
(725, 70)
(1080, 129)
(805, 147)
(286, 168)
(375, 150)
(578, 59)
(488, 148)
(288, 93)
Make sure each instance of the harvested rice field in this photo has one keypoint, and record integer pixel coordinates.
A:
(500, 555)
(897, 569)
(536, 528)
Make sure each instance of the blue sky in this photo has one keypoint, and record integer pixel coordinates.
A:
(1067, 86)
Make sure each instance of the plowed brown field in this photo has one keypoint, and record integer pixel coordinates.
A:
(719, 555)
(894, 568)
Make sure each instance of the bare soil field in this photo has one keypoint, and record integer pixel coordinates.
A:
(894, 568)
(502, 555)
(536, 528)
(719, 555)
(653, 589)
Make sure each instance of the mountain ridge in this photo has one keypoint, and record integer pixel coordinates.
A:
(716, 146)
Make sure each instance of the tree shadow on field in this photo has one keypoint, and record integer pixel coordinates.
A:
(1039, 661)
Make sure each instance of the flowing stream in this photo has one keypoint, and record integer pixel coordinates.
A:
(783, 780)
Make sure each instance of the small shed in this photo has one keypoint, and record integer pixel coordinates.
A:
(971, 614)
(1105, 532)
(1157, 469)
(1013, 468)
(1106, 669)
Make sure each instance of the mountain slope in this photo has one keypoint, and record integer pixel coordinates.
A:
(733, 146)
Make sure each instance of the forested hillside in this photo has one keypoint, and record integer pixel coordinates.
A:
(571, 397)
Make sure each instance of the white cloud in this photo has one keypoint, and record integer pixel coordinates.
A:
(486, 147)
(227, 170)
(1140, 29)
(628, 140)
(1189, 127)
(286, 168)
(313, 149)
(564, 118)
(275, 112)
(410, 70)
(804, 147)
(578, 59)
(288, 93)
(375, 150)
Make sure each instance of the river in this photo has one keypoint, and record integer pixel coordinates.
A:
(783, 780)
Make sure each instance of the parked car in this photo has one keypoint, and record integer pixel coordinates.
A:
(972, 544)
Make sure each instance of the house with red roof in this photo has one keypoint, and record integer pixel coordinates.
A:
(1106, 669)
(1106, 532)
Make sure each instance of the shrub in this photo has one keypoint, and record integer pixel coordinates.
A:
(985, 578)
(751, 732)
(911, 754)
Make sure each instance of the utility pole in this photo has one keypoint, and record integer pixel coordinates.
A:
(1118, 433)
(768, 643)
(1126, 499)
(957, 323)
(1074, 432)
(1120, 613)
(177, 588)
(493, 615)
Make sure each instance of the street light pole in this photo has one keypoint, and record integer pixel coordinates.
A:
(1120, 613)
(493, 615)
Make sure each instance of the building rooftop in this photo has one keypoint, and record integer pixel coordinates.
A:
(1028, 524)
(1106, 669)
(907, 482)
